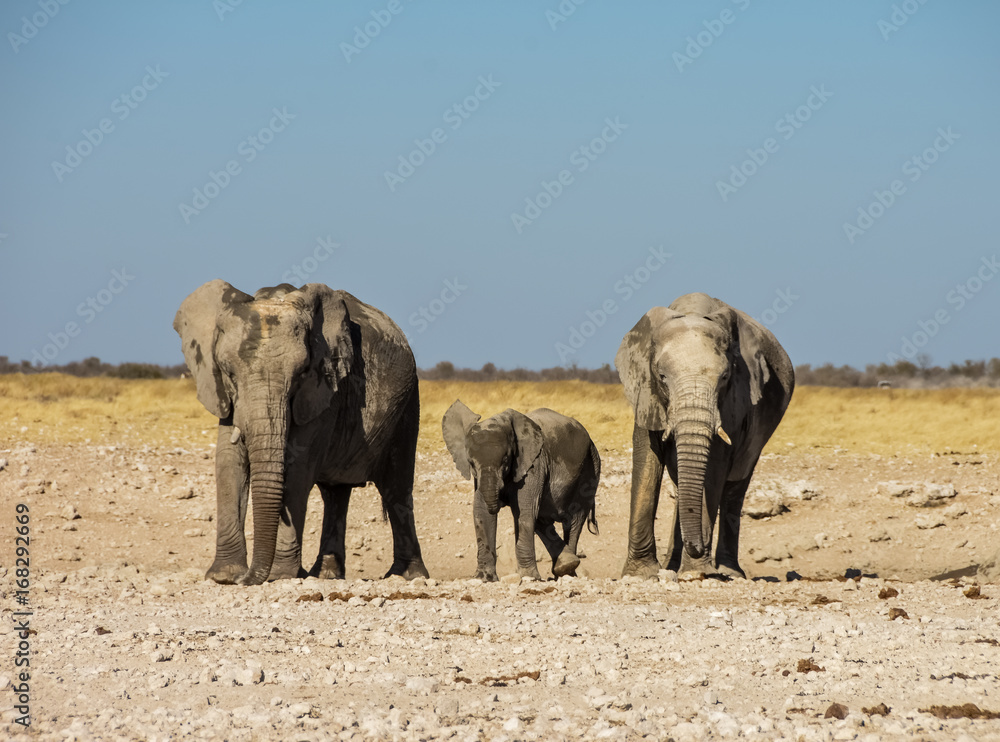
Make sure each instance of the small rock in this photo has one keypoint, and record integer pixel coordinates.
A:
(927, 522)
(895, 613)
(469, 629)
(447, 707)
(955, 511)
(512, 724)
(421, 685)
(764, 500)
(836, 711)
(880, 535)
(512, 579)
(888, 592)
(183, 492)
(298, 710)
(711, 698)
(194, 533)
(69, 513)
(69, 526)
(3, 465)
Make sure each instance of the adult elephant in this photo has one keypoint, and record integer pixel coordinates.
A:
(311, 386)
(708, 385)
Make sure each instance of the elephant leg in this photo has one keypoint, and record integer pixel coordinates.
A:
(331, 562)
(486, 541)
(299, 480)
(395, 484)
(647, 477)
(232, 489)
(524, 540)
(727, 553)
(564, 560)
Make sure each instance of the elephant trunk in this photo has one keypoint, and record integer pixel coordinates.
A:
(266, 435)
(489, 490)
(695, 422)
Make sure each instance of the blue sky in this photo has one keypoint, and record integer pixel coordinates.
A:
(577, 169)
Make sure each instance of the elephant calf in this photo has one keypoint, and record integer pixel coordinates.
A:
(543, 465)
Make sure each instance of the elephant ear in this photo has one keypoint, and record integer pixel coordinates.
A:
(454, 428)
(195, 322)
(634, 362)
(530, 444)
(743, 349)
(331, 352)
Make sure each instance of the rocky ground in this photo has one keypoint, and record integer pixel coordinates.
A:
(128, 642)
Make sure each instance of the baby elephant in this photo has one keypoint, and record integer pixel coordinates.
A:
(543, 465)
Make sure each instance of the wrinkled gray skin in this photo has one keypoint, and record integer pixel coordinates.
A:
(543, 465)
(696, 374)
(311, 386)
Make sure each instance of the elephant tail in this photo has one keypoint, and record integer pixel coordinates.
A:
(592, 514)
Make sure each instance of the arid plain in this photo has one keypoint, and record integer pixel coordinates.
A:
(898, 490)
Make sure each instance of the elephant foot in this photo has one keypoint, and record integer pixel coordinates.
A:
(226, 573)
(286, 571)
(644, 568)
(691, 566)
(486, 575)
(328, 567)
(566, 564)
(408, 570)
(529, 573)
(252, 577)
(734, 573)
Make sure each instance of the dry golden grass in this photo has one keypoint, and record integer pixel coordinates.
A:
(55, 408)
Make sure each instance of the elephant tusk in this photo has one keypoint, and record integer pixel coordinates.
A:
(237, 433)
(722, 434)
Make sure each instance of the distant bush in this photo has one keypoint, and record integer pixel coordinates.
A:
(137, 371)
(93, 366)
(905, 374)
(446, 371)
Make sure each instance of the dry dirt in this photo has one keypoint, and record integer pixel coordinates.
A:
(128, 642)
